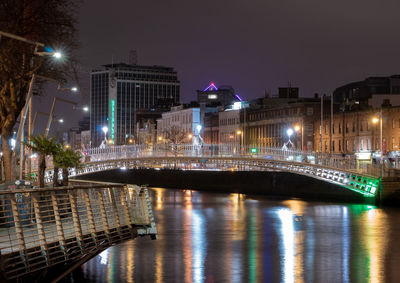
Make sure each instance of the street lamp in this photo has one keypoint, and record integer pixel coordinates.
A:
(289, 132)
(46, 132)
(240, 133)
(28, 104)
(105, 130)
(299, 128)
(375, 120)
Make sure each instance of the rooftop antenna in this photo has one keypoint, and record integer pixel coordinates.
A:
(133, 60)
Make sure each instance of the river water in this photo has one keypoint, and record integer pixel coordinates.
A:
(208, 237)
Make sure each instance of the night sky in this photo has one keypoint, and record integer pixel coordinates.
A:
(251, 45)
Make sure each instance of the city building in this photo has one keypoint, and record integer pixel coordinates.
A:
(184, 118)
(266, 121)
(211, 128)
(230, 129)
(356, 95)
(217, 96)
(359, 131)
(119, 91)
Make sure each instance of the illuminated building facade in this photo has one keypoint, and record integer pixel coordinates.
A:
(355, 132)
(119, 91)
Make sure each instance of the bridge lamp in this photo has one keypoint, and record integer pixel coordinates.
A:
(375, 120)
(160, 138)
(238, 132)
(190, 136)
(297, 128)
(198, 127)
(289, 132)
(105, 130)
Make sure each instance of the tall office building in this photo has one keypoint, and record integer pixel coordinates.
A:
(119, 91)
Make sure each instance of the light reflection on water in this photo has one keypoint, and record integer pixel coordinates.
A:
(207, 237)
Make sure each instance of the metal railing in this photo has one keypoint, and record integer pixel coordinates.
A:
(338, 161)
(45, 227)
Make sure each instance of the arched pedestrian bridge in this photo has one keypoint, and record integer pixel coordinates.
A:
(335, 169)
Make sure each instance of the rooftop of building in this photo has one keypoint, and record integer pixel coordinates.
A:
(131, 67)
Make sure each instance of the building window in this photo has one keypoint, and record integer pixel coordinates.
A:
(367, 126)
(354, 145)
(393, 143)
(347, 145)
(340, 128)
(347, 129)
(333, 146)
(361, 126)
(368, 144)
(354, 127)
(340, 145)
(393, 124)
(333, 128)
(361, 144)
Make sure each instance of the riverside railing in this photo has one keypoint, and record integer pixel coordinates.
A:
(41, 228)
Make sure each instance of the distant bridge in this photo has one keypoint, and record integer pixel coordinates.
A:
(337, 169)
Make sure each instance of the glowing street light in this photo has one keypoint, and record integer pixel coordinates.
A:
(289, 132)
(190, 136)
(299, 128)
(375, 120)
(105, 130)
(85, 108)
(57, 55)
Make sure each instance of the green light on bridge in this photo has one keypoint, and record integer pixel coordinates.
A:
(254, 150)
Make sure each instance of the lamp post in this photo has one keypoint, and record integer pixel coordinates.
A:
(105, 130)
(375, 120)
(51, 116)
(299, 128)
(240, 133)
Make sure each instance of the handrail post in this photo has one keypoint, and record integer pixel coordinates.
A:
(104, 216)
(126, 209)
(115, 208)
(18, 230)
(89, 210)
(60, 231)
(75, 218)
(40, 228)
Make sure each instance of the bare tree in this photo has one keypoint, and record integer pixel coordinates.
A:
(174, 137)
(47, 21)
